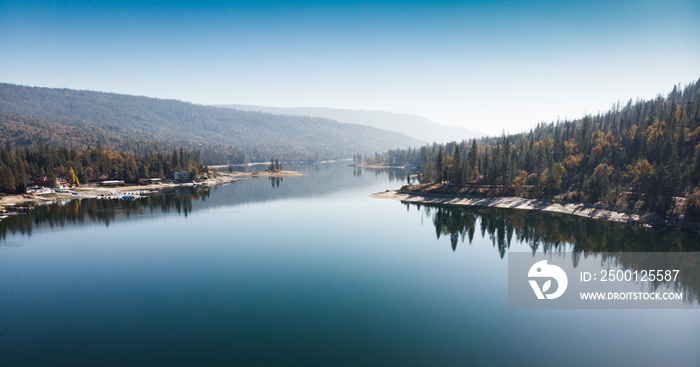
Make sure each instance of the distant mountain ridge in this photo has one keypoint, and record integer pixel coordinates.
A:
(415, 126)
(26, 111)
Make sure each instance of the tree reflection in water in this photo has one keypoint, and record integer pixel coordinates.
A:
(276, 181)
(318, 180)
(101, 211)
(616, 244)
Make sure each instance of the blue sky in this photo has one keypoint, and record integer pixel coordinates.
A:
(491, 66)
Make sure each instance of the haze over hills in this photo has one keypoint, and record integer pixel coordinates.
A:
(415, 126)
(77, 117)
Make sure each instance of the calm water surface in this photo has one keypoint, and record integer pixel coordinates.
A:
(311, 271)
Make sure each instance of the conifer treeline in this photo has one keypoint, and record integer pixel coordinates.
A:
(640, 155)
(19, 165)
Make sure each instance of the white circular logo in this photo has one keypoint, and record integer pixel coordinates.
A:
(543, 270)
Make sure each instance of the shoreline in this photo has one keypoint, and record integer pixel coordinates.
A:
(591, 211)
(92, 191)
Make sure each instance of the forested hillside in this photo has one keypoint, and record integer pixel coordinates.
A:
(642, 155)
(80, 119)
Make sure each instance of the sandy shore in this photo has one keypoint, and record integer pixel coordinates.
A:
(583, 210)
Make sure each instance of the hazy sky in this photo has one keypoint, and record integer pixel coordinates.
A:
(491, 66)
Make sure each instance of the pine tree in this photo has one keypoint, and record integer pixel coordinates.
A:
(457, 173)
(7, 180)
(473, 163)
(439, 174)
(50, 178)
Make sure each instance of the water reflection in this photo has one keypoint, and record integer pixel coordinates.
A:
(394, 174)
(551, 231)
(555, 233)
(276, 181)
(72, 212)
(317, 180)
